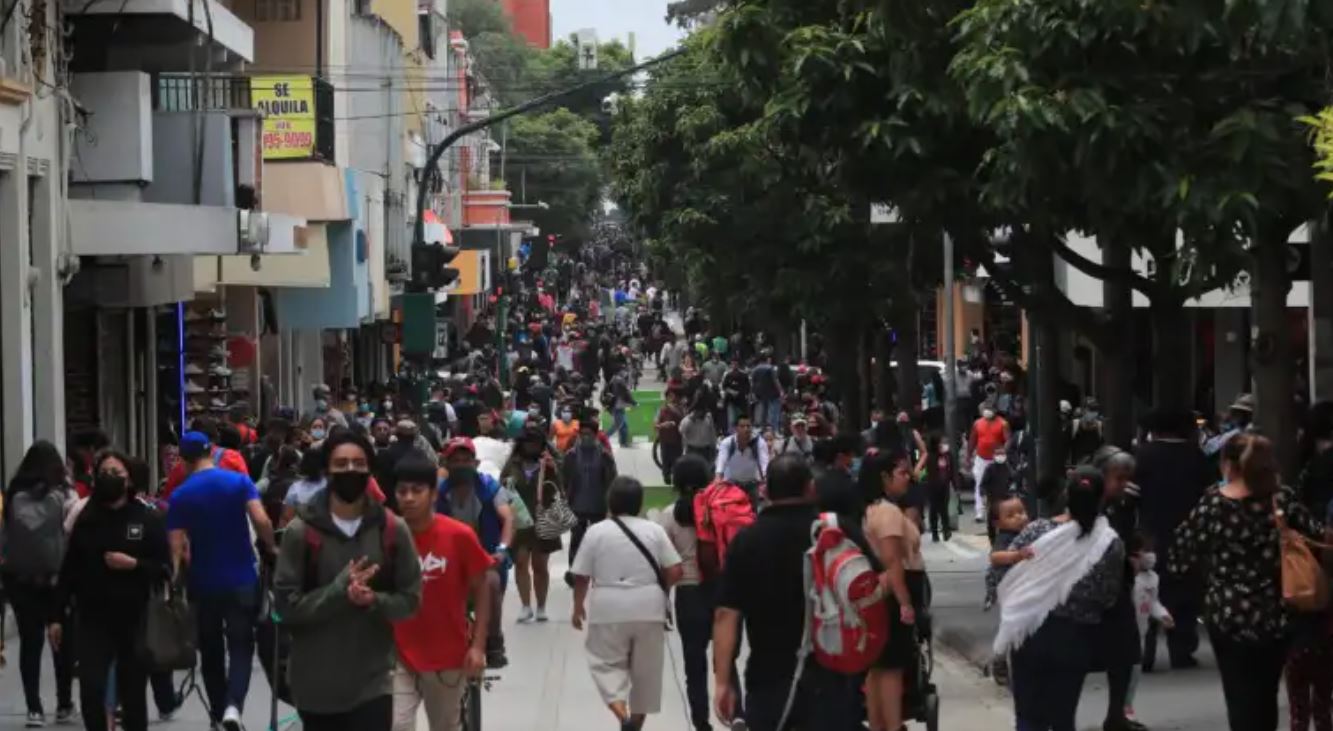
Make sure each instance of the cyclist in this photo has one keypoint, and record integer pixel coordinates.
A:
(434, 652)
(476, 499)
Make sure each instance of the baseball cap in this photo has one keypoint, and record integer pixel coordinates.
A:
(194, 444)
(799, 419)
(459, 443)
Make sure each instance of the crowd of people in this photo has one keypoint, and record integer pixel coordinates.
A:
(364, 548)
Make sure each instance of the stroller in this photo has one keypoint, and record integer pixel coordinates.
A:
(921, 699)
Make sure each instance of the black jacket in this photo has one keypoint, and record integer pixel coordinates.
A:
(102, 594)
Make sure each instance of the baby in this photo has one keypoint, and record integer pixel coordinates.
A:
(1011, 517)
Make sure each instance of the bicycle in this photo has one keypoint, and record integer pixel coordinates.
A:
(469, 709)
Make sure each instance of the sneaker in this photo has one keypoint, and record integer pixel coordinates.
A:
(35, 720)
(66, 714)
(525, 615)
(220, 371)
(168, 715)
(231, 719)
(541, 615)
(193, 370)
(192, 387)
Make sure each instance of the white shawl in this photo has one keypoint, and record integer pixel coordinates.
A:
(1034, 587)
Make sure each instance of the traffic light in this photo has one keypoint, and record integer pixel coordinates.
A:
(430, 266)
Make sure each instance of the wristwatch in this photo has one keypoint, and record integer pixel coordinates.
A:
(502, 548)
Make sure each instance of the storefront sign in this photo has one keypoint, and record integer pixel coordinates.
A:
(288, 105)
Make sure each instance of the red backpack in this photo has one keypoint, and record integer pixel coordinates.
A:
(721, 510)
(847, 618)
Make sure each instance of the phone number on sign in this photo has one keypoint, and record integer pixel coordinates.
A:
(288, 140)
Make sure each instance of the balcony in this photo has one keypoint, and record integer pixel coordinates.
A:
(163, 34)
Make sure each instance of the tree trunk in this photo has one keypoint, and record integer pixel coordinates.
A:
(883, 355)
(1172, 340)
(909, 345)
(844, 341)
(1321, 305)
(1274, 375)
(1118, 358)
(1044, 378)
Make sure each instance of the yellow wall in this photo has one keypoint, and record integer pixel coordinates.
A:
(470, 281)
(401, 15)
(285, 46)
(414, 74)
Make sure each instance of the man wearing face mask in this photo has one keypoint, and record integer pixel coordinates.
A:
(588, 470)
(208, 524)
(324, 408)
(347, 570)
(475, 498)
(987, 434)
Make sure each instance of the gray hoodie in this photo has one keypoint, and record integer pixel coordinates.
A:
(342, 655)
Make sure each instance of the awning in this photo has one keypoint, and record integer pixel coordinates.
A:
(311, 190)
(308, 269)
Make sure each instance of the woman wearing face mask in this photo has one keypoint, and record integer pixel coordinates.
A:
(117, 550)
(530, 463)
(318, 431)
(941, 480)
(341, 601)
(565, 429)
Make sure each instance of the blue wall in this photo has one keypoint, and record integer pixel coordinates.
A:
(346, 302)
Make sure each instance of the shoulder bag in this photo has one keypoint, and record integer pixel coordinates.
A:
(1304, 584)
(557, 519)
(652, 562)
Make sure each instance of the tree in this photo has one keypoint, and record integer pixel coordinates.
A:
(688, 13)
(1135, 122)
(556, 155)
(475, 17)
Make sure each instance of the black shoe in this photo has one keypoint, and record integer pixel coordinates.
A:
(935, 537)
(1188, 662)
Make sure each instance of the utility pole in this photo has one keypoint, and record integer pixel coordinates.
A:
(950, 356)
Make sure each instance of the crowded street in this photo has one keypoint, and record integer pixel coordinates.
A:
(696, 365)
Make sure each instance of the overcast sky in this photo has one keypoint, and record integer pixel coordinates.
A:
(617, 19)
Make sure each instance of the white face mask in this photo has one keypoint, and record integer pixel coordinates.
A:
(944, 449)
(988, 414)
(1001, 459)
(1147, 561)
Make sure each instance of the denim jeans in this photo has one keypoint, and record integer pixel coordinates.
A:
(32, 611)
(620, 425)
(768, 412)
(226, 645)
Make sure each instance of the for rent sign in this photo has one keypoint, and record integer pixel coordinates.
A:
(288, 104)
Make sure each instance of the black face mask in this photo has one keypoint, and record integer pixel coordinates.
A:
(463, 476)
(109, 487)
(349, 486)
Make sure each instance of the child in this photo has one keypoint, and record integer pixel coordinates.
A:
(1147, 607)
(996, 484)
(1010, 518)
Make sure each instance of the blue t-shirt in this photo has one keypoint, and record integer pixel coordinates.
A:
(210, 506)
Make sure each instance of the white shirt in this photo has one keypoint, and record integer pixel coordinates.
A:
(742, 465)
(624, 587)
(348, 527)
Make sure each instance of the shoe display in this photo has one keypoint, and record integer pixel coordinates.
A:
(193, 370)
(218, 403)
(220, 371)
(192, 388)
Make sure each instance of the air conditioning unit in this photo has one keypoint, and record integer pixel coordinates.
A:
(252, 230)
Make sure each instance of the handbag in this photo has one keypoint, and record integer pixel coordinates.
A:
(556, 519)
(167, 637)
(652, 561)
(1304, 584)
(955, 509)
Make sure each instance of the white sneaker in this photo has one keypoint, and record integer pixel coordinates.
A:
(35, 720)
(231, 719)
(525, 615)
(541, 614)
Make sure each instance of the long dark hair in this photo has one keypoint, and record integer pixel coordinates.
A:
(1253, 456)
(690, 474)
(131, 488)
(1083, 497)
(41, 468)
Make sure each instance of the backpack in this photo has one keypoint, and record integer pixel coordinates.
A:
(721, 510)
(34, 537)
(314, 542)
(846, 616)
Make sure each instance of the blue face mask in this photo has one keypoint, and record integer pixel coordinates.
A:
(317, 434)
(856, 466)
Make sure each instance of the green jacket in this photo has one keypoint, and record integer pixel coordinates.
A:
(343, 655)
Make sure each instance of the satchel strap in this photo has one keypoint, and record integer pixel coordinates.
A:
(647, 555)
(1280, 518)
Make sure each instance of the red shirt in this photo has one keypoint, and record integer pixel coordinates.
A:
(230, 459)
(989, 435)
(435, 638)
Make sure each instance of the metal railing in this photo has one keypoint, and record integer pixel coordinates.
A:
(175, 92)
(324, 121)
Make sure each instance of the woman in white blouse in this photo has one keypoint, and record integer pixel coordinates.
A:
(624, 568)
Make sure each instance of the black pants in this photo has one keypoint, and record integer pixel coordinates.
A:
(373, 715)
(939, 510)
(32, 610)
(586, 520)
(100, 644)
(669, 454)
(694, 621)
(764, 711)
(1251, 674)
(1181, 597)
(1046, 675)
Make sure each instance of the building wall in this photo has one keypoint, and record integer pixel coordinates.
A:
(532, 20)
(282, 46)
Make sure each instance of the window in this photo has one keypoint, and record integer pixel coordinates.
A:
(277, 10)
